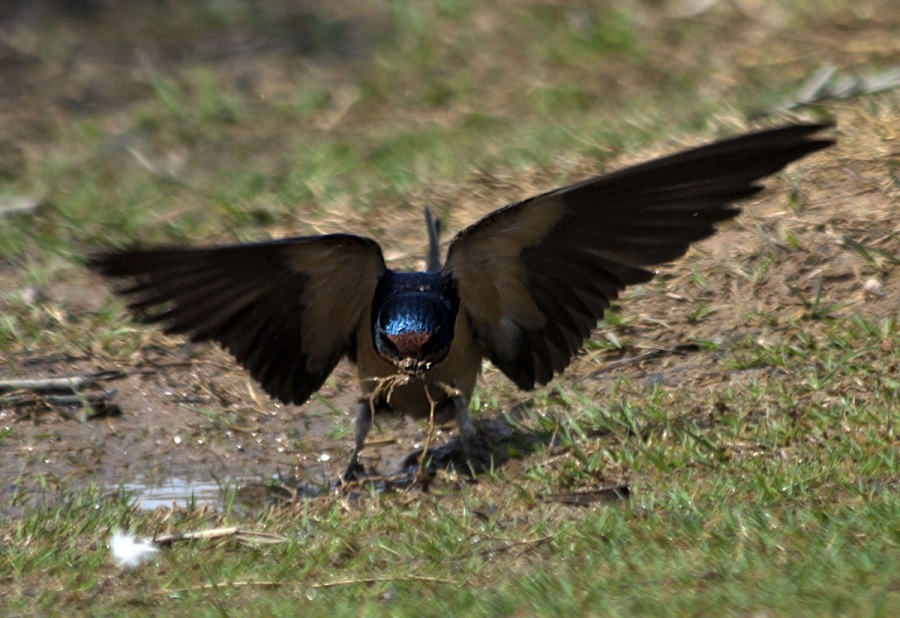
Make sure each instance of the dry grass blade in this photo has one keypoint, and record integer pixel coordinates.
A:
(586, 498)
(319, 586)
(17, 205)
(68, 384)
(529, 544)
(244, 536)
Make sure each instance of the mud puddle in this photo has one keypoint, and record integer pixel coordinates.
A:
(149, 494)
(190, 434)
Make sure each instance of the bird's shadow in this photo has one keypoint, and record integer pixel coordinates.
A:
(501, 439)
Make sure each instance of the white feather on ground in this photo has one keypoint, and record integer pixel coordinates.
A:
(130, 551)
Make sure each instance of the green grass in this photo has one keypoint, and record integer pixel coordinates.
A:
(764, 477)
(426, 107)
(776, 493)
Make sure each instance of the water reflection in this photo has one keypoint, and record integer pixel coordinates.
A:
(178, 492)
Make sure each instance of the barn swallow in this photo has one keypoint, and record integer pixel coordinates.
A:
(522, 287)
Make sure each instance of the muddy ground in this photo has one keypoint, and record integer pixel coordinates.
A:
(188, 412)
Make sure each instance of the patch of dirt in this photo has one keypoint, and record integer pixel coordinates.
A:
(189, 412)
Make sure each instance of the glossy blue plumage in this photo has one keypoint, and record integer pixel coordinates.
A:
(412, 317)
(415, 317)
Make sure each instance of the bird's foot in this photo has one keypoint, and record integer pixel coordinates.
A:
(355, 472)
(477, 453)
(470, 455)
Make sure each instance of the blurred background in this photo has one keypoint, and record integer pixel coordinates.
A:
(220, 119)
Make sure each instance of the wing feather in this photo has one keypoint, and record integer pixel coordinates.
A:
(535, 277)
(287, 310)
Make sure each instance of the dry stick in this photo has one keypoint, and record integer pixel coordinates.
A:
(216, 533)
(382, 441)
(625, 361)
(64, 392)
(63, 401)
(375, 580)
(423, 462)
(385, 385)
(531, 543)
(450, 391)
(48, 385)
(553, 438)
(320, 586)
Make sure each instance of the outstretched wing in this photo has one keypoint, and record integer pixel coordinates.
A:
(287, 310)
(536, 276)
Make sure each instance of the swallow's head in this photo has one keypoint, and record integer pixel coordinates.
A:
(413, 318)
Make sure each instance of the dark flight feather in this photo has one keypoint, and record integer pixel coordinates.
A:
(287, 310)
(535, 277)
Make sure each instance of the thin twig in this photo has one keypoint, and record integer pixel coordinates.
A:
(245, 536)
(625, 361)
(531, 543)
(77, 400)
(237, 584)
(376, 580)
(423, 462)
(69, 384)
(319, 586)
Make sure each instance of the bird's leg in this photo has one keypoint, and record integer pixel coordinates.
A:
(475, 449)
(467, 431)
(364, 415)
